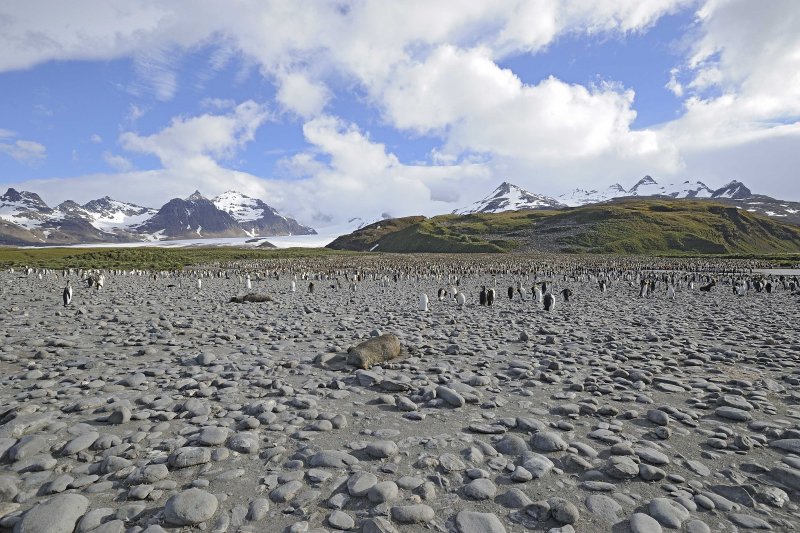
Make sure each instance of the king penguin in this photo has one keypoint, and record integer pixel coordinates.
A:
(68, 293)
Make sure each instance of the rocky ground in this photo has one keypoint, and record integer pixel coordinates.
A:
(145, 407)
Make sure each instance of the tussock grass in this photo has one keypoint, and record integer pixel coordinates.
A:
(148, 258)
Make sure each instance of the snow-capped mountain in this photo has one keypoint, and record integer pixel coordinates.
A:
(107, 214)
(256, 217)
(578, 197)
(734, 190)
(192, 217)
(25, 209)
(647, 186)
(26, 219)
(509, 197)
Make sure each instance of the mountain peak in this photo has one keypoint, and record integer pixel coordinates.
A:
(510, 197)
(196, 195)
(645, 181)
(734, 189)
(12, 195)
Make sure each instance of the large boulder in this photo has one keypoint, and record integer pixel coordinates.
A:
(374, 351)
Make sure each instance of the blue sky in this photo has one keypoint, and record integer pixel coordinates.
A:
(325, 112)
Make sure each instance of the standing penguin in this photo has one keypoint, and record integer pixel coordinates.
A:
(311, 286)
(461, 299)
(566, 293)
(602, 284)
(510, 293)
(423, 302)
(248, 282)
(549, 302)
(490, 297)
(537, 294)
(68, 293)
(671, 292)
(482, 296)
(293, 286)
(199, 283)
(440, 294)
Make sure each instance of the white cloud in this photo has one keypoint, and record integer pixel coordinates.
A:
(432, 69)
(744, 74)
(95, 138)
(478, 107)
(202, 140)
(26, 152)
(356, 176)
(117, 162)
(300, 95)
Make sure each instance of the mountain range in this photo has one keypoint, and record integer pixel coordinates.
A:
(25, 219)
(509, 197)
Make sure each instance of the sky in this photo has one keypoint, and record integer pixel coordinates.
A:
(334, 110)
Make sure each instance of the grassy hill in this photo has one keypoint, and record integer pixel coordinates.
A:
(628, 227)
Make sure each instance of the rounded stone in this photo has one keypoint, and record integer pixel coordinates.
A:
(412, 514)
(190, 507)
(480, 489)
(547, 441)
(59, 514)
(563, 511)
(471, 522)
(642, 523)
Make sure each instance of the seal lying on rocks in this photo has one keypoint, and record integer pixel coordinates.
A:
(251, 297)
(375, 350)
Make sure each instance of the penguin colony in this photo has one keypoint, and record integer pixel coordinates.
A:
(547, 283)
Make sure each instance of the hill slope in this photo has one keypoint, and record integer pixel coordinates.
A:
(627, 226)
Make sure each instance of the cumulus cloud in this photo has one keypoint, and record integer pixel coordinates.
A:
(480, 107)
(302, 96)
(431, 69)
(202, 140)
(743, 75)
(348, 175)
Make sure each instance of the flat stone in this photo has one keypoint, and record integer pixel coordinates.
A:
(642, 523)
(333, 459)
(472, 522)
(668, 513)
(732, 413)
(603, 506)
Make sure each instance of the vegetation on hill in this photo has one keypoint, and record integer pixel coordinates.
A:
(627, 227)
(149, 258)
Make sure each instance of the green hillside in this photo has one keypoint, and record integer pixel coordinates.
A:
(627, 227)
